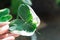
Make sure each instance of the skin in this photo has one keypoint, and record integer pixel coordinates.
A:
(5, 34)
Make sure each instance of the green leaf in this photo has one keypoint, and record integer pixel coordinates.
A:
(27, 23)
(5, 18)
(21, 25)
(15, 4)
(24, 13)
(4, 12)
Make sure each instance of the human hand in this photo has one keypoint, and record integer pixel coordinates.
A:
(4, 32)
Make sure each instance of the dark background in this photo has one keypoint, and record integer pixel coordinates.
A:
(49, 12)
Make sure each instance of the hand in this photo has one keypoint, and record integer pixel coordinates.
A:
(4, 33)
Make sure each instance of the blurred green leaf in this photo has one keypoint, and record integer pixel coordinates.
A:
(58, 2)
(15, 4)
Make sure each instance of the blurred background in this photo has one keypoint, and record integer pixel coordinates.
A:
(49, 14)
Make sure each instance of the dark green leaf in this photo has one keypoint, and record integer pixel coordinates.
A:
(24, 13)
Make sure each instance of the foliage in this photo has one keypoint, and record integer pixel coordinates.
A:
(4, 15)
(24, 20)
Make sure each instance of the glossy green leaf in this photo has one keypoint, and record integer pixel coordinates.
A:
(5, 18)
(4, 12)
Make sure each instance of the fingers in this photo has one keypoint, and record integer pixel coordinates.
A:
(3, 36)
(4, 23)
(4, 29)
(15, 35)
(9, 38)
(4, 26)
